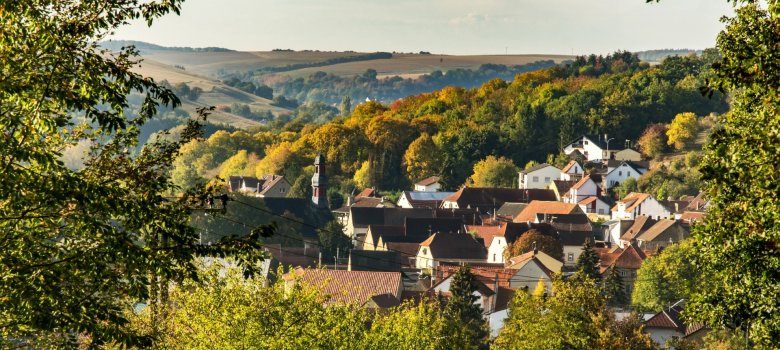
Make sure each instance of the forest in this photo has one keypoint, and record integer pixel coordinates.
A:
(447, 132)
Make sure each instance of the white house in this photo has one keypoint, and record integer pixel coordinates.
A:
(539, 176)
(594, 205)
(620, 173)
(584, 188)
(572, 171)
(267, 186)
(422, 199)
(430, 184)
(635, 204)
(593, 147)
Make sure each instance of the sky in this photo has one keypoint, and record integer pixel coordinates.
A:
(439, 26)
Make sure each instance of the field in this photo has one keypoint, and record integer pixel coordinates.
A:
(214, 93)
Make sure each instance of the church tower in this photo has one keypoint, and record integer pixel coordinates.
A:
(319, 183)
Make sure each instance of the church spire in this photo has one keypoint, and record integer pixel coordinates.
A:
(319, 183)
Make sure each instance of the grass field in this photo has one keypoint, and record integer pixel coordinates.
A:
(405, 65)
(214, 93)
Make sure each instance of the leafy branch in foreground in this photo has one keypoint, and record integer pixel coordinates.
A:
(80, 247)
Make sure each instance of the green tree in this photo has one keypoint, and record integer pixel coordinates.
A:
(613, 289)
(588, 262)
(494, 172)
(738, 241)
(682, 130)
(80, 247)
(666, 278)
(332, 238)
(535, 238)
(629, 185)
(421, 159)
(229, 311)
(462, 306)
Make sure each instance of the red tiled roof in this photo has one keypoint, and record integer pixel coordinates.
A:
(588, 200)
(368, 192)
(582, 182)
(569, 166)
(487, 232)
(544, 207)
(632, 200)
(356, 287)
(691, 216)
(628, 258)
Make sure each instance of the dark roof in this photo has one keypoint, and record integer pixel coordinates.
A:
(537, 167)
(376, 231)
(405, 249)
(629, 258)
(488, 199)
(384, 301)
(573, 229)
(428, 181)
(374, 260)
(462, 246)
(511, 209)
(293, 256)
(612, 163)
(563, 186)
(699, 203)
(641, 223)
(357, 287)
(430, 200)
(362, 217)
(299, 207)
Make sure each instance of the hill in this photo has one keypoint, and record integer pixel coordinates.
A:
(215, 93)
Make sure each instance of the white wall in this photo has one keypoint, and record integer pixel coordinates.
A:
(434, 187)
(620, 174)
(496, 249)
(571, 250)
(539, 178)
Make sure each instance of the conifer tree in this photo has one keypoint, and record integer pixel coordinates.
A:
(588, 262)
(613, 288)
(462, 307)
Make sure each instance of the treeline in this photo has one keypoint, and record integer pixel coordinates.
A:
(330, 88)
(448, 131)
(328, 62)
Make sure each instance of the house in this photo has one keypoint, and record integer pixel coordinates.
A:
(637, 203)
(551, 208)
(584, 188)
(357, 219)
(485, 295)
(625, 260)
(573, 231)
(593, 147)
(572, 171)
(640, 224)
(412, 230)
(487, 200)
(418, 199)
(628, 154)
(509, 210)
(668, 324)
(267, 186)
(359, 288)
(616, 175)
(594, 205)
(364, 199)
(664, 233)
(449, 247)
(374, 260)
(561, 188)
(430, 184)
(497, 237)
(517, 262)
(539, 176)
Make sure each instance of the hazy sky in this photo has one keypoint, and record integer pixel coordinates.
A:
(439, 26)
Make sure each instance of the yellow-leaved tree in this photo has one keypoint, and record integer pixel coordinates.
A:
(682, 130)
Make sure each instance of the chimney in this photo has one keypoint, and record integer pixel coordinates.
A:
(536, 251)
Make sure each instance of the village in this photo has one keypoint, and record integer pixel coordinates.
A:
(410, 249)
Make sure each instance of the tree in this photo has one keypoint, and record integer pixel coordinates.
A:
(573, 316)
(332, 238)
(738, 241)
(666, 278)
(535, 238)
(494, 172)
(80, 247)
(462, 306)
(629, 185)
(588, 262)
(422, 324)
(682, 130)
(229, 311)
(613, 289)
(346, 106)
(653, 141)
(421, 159)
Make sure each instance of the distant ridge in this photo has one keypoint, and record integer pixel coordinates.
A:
(659, 55)
(144, 47)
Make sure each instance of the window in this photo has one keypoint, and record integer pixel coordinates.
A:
(570, 257)
(601, 211)
(546, 179)
(425, 250)
(620, 173)
(586, 142)
(494, 256)
(536, 179)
